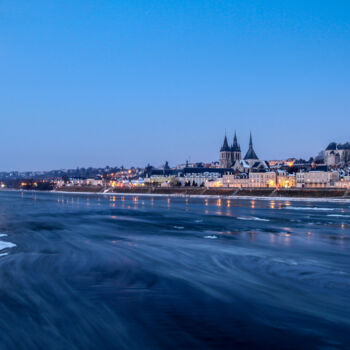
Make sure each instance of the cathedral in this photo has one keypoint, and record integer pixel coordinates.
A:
(231, 156)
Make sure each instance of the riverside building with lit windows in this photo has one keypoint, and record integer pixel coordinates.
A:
(317, 179)
(268, 179)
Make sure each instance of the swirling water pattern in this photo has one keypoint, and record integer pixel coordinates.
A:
(124, 272)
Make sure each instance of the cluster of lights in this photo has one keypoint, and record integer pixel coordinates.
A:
(23, 184)
(116, 184)
(119, 173)
(286, 184)
(121, 184)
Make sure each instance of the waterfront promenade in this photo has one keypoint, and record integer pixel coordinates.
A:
(203, 191)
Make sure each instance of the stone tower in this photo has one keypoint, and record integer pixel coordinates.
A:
(225, 155)
(236, 150)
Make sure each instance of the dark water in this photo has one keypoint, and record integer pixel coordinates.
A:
(114, 272)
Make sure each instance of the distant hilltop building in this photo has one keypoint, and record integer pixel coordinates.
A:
(231, 156)
(337, 154)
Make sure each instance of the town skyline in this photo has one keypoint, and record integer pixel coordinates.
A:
(160, 163)
(216, 161)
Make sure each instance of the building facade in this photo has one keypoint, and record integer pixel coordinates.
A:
(337, 154)
(344, 182)
(229, 154)
(316, 179)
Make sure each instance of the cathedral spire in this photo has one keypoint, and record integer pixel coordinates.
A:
(225, 147)
(251, 153)
(235, 146)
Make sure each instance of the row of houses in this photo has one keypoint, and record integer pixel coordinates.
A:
(98, 181)
(187, 176)
(279, 179)
(257, 179)
(221, 177)
(79, 181)
(259, 176)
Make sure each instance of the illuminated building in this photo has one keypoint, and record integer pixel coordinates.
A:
(344, 182)
(316, 179)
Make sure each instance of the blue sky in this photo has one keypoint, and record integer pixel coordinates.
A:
(91, 83)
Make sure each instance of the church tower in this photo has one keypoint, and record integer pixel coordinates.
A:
(251, 156)
(225, 155)
(236, 150)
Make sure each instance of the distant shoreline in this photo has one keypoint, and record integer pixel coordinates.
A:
(223, 192)
(313, 195)
(292, 199)
(319, 195)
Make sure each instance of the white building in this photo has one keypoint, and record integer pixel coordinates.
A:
(344, 182)
(199, 176)
(337, 154)
(255, 179)
(316, 179)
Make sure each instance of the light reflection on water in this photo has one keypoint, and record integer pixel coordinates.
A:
(134, 272)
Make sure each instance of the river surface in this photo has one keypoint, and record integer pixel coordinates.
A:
(123, 272)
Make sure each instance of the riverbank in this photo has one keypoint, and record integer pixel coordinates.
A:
(302, 193)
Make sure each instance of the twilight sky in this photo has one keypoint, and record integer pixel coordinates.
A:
(97, 82)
